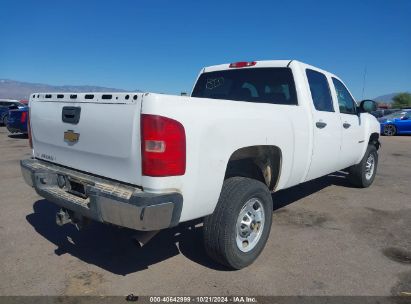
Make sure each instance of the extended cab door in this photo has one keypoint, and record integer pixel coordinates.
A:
(352, 136)
(326, 127)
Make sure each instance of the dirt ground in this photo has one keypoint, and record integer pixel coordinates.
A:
(327, 238)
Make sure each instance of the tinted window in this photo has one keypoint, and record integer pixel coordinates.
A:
(320, 91)
(345, 102)
(265, 85)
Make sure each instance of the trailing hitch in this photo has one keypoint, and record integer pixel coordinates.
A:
(65, 216)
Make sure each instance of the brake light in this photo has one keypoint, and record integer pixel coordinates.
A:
(163, 146)
(242, 64)
(29, 130)
(23, 117)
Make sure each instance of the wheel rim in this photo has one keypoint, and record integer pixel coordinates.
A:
(250, 225)
(389, 130)
(369, 166)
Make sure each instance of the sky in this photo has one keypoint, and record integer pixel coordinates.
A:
(160, 46)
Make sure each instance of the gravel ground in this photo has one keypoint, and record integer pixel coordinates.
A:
(327, 238)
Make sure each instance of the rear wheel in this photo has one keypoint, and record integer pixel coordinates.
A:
(362, 175)
(390, 130)
(236, 233)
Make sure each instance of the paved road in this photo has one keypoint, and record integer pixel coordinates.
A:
(327, 239)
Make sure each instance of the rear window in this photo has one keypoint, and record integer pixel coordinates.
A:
(263, 85)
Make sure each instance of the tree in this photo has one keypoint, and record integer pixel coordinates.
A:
(402, 100)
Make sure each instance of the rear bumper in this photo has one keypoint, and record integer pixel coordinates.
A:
(16, 130)
(16, 127)
(102, 200)
(382, 128)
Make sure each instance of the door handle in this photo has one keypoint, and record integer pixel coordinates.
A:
(346, 125)
(320, 124)
(71, 115)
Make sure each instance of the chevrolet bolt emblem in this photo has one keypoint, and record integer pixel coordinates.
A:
(71, 137)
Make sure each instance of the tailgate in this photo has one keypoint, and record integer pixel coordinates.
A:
(98, 133)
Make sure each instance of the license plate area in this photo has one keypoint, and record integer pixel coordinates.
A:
(76, 187)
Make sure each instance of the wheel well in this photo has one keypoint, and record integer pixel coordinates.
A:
(374, 140)
(262, 163)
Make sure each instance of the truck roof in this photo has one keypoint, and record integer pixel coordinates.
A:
(259, 63)
(266, 64)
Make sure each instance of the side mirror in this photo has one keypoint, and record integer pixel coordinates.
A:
(367, 106)
(405, 118)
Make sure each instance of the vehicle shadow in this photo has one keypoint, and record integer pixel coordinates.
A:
(285, 197)
(18, 136)
(114, 249)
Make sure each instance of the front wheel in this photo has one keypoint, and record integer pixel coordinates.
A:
(362, 175)
(236, 233)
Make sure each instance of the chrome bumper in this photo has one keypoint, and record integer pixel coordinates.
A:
(101, 199)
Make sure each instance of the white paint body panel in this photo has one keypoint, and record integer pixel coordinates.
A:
(109, 143)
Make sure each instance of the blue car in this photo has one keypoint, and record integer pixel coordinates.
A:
(17, 120)
(5, 105)
(396, 123)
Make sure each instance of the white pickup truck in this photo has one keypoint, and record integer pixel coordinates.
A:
(151, 161)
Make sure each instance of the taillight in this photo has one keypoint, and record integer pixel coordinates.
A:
(163, 146)
(29, 130)
(242, 64)
(23, 117)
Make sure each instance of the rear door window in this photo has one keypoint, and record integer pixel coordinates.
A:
(262, 85)
(320, 91)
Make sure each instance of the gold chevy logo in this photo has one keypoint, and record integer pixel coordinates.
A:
(71, 137)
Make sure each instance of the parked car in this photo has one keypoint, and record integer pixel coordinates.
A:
(17, 120)
(5, 105)
(396, 123)
(383, 112)
(248, 128)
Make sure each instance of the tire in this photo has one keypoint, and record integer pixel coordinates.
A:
(5, 118)
(242, 200)
(389, 130)
(362, 175)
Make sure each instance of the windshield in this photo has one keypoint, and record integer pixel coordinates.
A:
(395, 115)
(264, 85)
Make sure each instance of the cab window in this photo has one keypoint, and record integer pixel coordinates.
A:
(320, 91)
(346, 103)
(260, 85)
